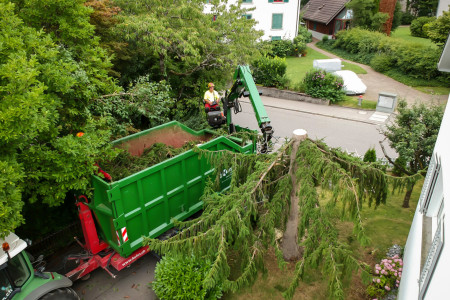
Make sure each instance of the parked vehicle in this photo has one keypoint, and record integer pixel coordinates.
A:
(22, 279)
(145, 203)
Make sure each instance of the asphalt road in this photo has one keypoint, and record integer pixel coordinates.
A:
(339, 130)
(355, 136)
(130, 283)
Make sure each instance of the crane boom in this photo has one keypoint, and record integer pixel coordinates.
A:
(244, 85)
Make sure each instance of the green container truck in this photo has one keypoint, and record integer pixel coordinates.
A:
(145, 203)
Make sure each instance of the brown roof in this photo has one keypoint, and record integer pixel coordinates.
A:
(323, 11)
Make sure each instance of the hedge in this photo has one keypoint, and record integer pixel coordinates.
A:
(384, 53)
(270, 71)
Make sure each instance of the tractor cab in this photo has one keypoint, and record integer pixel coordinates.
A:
(14, 269)
(20, 279)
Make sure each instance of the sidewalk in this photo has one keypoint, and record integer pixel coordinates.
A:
(377, 82)
(332, 111)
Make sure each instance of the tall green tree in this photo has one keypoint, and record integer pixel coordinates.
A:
(413, 135)
(246, 220)
(422, 8)
(439, 29)
(366, 14)
(46, 81)
(183, 45)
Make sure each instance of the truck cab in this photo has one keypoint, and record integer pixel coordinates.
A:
(20, 280)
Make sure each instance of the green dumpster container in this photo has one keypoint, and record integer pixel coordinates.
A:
(144, 203)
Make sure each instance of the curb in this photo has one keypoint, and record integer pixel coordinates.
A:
(320, 114)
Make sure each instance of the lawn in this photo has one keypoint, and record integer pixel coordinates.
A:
(385, 225)
(404, 33)
(298, 66)
(352, 101)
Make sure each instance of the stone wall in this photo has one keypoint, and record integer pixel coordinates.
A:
(290, 95)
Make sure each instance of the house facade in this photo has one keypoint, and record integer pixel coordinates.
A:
(443, 5)
(327, 17)
(278, 19)
(426, 260)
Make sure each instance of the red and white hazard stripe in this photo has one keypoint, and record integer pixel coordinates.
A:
(118, 238)
(124, 235)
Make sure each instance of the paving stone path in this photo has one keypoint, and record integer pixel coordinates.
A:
(377, 82)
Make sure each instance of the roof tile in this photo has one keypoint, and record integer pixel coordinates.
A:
(323, 11)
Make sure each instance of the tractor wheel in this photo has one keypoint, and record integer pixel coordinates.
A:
(61, 294)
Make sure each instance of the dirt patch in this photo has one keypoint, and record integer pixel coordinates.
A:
(272, 284)
(171, 136)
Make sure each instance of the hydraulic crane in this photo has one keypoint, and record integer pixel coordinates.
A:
(243, 86)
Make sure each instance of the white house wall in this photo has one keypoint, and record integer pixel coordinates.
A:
(439, 284)
(442, 6)
(263, 16)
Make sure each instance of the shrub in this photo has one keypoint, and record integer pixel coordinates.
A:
(320, 84)
(305, 34)
(406, 18)
(412, 59)
(370, 155)
(270, 72)
(325, 38)
(417, 26)
(382, 62)
(437, 30)
(386, 277)
(179, 277)
(146, 104)
(282, 48)
(299, 45)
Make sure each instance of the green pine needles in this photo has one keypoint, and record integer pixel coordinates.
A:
(242, 221)
(349, 181)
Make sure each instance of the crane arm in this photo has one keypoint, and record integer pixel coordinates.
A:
(244, 85)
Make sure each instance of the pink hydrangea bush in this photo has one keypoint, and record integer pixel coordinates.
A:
(386, 277)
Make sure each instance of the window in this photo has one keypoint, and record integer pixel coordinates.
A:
(277, 21)
(248, 16)
(430, 182)
(432, 257)
(276, 38)
(18, 270)
(314, 26)
(247, 1)
(5, 286)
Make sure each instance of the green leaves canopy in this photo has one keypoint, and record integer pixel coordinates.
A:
(366, 14)
(414, 133)
(186, 46)
(44, 90)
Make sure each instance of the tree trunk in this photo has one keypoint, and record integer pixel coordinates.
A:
(162, 66)
(408, 196)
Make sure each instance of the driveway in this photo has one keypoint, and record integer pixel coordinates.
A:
(377, 82)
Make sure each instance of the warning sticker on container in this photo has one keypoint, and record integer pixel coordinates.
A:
(118, 238)
(124, 234)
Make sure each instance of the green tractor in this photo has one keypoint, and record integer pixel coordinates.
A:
(22, 279)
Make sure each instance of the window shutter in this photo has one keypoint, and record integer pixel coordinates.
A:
(277, 21)
(286, 1)
(270, 1)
